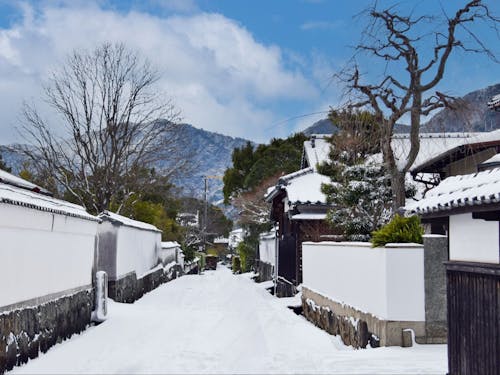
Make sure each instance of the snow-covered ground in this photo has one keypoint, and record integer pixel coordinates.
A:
(221, 323)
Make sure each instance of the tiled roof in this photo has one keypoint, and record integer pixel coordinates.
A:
(471, 190)
(110, 216)
(494, 102)
(316, 150)
(21, 197)
(303, 186)
(10, 179)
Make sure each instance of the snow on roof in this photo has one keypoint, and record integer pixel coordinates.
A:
(494, 102)
(307, 188)
(303, 186)
(432, 145)
(169, 244)
(309, 216)
(110, 216)
(495, 159)
(221, 240)
(10, 179)
(21, 197)
(460, 191)
(316, 149)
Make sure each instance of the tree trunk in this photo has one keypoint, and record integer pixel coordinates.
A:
(398, 189)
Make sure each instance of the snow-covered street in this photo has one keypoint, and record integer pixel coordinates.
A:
(221, 323)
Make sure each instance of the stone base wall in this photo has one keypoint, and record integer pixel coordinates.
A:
(265, 271)
(25, 332)
(355, 327)
(285, 289)
(129, 288)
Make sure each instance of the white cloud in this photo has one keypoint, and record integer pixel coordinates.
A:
(320, 25)
(218, 74)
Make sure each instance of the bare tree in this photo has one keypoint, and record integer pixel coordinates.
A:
(116, 126)
(415, 60)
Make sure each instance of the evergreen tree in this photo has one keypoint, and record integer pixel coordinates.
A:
(360, 191)
(4, 166)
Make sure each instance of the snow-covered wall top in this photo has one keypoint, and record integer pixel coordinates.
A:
(22, 197)
(170, 244)
(476, 189)
(106, 215)
(11, 179)
(386, 282)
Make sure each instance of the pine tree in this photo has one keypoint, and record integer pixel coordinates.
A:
(4, 166)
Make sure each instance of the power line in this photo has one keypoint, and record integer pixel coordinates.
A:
(281, 122)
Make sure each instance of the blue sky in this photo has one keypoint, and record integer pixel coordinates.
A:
(249, 68)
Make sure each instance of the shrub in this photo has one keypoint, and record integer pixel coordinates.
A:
(399, 230)
(236, 265)
(246, 254)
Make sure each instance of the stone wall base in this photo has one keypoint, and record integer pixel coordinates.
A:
(129, 288)
(355, 327)
(285, 289)
(25, 332)
(265, 271)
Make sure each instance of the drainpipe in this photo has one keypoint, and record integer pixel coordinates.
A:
(276, 257)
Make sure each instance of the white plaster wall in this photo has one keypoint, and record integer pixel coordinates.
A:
(168, 255)
(137, 250)
(43, 253)
(267, 250)
(473, 240)
(386, 282)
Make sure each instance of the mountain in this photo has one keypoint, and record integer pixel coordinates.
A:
(324, 126)
(473, 115)
(204, 153)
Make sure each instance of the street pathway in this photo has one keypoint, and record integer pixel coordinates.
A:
(221, 323)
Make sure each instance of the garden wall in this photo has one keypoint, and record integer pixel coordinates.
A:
(383, 287)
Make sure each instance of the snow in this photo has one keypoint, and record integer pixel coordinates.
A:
(127, 221)
(170, 244)
(21, 197)
(309, 216)
(220, 323)
(11, 179)
(432, 145)
(495, 159)
(317, 150)
(494, 102)
(460, 191)
(303, 186)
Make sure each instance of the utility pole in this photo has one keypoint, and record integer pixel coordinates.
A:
(205, 214)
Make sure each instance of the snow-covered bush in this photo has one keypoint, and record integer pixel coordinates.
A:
(399, 230)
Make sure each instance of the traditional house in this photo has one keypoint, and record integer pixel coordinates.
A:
(129, 253)
(48, 249)
(494, 103)
(469, 206)
(299, 208)
(460, 157)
